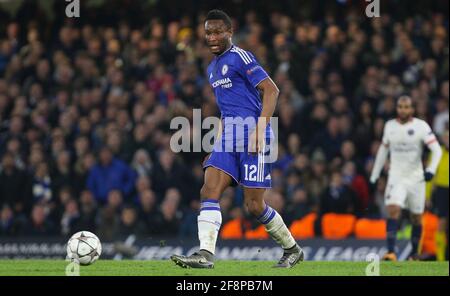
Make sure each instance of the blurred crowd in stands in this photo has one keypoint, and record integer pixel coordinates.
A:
(85, 111)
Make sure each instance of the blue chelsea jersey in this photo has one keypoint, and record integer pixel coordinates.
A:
(234, 76)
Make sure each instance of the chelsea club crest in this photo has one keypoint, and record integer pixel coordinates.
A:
(224, 69)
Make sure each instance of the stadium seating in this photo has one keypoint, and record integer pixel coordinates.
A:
(370, 229)
(337, 226)
(232, 230)
(257, 233)
(304, 227)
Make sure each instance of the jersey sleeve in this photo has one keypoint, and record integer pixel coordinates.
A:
(249, 67)
(428, 136)
(385, 140)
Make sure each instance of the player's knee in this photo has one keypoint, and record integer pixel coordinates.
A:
(394, 211)
(255, 207)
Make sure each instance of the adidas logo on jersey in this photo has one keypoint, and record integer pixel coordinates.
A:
(268, 177)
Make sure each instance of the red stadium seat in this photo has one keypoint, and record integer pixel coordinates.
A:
(232, 230)
(370, 229)
(337, 226)
(257, 233)
(304, 227)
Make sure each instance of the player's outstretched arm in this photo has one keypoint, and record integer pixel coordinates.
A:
(436, 154)
(430, 140)
(379, 163)
(381, 157)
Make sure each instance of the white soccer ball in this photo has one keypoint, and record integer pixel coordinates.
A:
(84, 247)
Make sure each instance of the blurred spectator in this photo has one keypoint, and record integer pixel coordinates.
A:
(88, 211)
(359, 186)
(168, 217)
(8, 225)
(109, 215)
(41, 184)
(142, 184)
(129, 223)
(329, 140)
(142, 163)
(298, 206)
(441, 119)
(62, 175)
(70, 218)
(338, 197)
(13, 184)
(169, 173)
(316, 179)
(58, 206)
(38, 224)
(81, 173)
(147, 209)
(109, 174)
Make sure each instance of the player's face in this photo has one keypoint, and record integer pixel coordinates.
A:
(404, 110)
(217, 35)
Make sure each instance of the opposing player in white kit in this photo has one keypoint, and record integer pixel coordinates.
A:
(404, 139)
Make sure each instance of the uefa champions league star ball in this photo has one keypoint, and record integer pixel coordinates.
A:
(84, 247)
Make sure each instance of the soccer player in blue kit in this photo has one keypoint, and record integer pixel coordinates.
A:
(238, 80)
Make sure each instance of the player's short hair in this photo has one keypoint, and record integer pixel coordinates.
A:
(217, 14)
(406, 97)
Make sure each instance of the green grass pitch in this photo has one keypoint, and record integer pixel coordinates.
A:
(233, 268)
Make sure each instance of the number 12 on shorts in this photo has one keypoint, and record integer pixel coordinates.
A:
(250, 172)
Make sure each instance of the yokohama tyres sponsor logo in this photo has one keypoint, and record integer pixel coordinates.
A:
(220, 82)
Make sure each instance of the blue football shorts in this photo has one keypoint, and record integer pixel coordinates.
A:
(249, 170)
